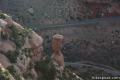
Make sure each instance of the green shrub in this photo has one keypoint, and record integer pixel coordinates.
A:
(4, 75)
(47, 68)
(2, 16)
(18, 36)
(12, 70)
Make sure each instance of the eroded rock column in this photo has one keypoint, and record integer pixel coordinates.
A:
(56, 46)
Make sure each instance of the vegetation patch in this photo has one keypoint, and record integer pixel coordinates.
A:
(2, 16)
(19, 35)
(51, 71)
(47, 68)
(13, 71)
(4, 74)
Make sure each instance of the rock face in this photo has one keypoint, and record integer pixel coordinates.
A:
(36, 44)
(34, 13)
(97, 41)
(21, 50)
(6, 46)
(3, 23)
(21, 46)
(4, 61)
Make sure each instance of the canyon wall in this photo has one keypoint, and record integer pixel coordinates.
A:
(97, 41)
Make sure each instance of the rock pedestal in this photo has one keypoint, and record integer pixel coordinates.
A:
(57, 54)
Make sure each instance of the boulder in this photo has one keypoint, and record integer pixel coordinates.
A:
(4, 61)
(2, 23)
(6, 46)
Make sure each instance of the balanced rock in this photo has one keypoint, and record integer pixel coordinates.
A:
(57, 54)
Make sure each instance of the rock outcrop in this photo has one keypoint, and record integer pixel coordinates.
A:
(57, 54)
(4, 61)
(21, 46)
(22, 54)
(6, 46)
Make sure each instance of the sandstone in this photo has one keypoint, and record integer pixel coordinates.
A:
(6, 46)
(28, 52)
(57, 54)
(2, 23)
(4, 61)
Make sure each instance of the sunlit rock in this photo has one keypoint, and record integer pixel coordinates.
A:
(57, 54)
(4, 61)
(2, 23)
(6, 46)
